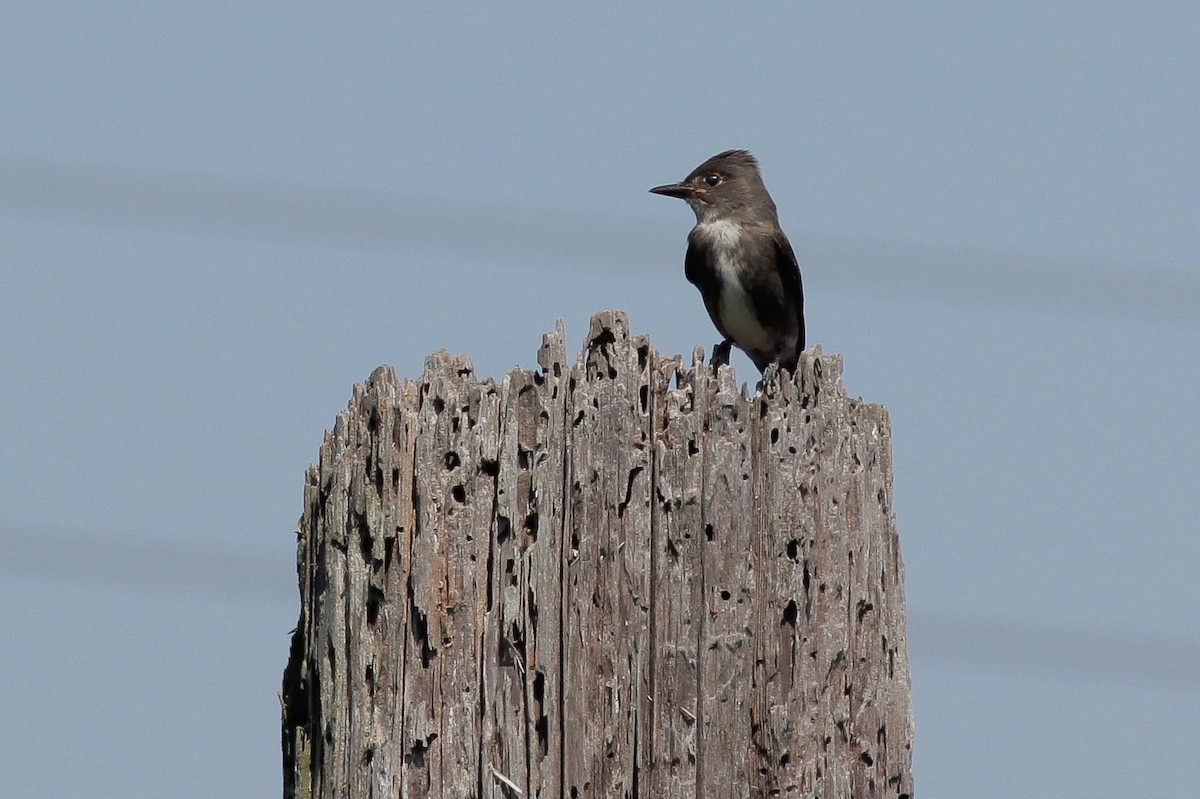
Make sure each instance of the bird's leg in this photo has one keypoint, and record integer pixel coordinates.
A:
(771, 372)
(720, 356)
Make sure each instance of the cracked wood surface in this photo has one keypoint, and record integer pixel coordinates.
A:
(617, 578)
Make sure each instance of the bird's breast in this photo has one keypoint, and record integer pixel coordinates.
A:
(738, 312)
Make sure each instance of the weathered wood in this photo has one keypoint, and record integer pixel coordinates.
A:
(612, 578)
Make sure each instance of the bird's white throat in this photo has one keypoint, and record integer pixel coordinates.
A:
(724, 234)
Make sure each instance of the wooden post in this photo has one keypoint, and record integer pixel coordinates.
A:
(614, 579)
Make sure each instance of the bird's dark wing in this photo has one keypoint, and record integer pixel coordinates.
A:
(789, 276)
(702, 274)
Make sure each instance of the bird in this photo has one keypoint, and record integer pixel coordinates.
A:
(742, 263)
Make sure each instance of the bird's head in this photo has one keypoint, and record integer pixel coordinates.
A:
(726, 186)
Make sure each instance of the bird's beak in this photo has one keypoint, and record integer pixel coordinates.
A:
(674, 190)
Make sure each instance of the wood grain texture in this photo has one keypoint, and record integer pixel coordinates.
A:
(611, 578)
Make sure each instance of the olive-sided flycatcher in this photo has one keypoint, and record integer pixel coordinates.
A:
(742, 262)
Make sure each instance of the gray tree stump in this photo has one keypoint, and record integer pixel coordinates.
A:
(614, 579)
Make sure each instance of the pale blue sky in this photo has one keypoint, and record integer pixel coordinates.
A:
(215, 220)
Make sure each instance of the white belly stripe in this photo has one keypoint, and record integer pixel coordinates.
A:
(736, 308)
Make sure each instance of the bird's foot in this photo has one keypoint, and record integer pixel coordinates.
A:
(770, 377)
(771, 372)
(720, 355)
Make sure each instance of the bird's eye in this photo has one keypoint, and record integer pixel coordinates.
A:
(713, 180)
